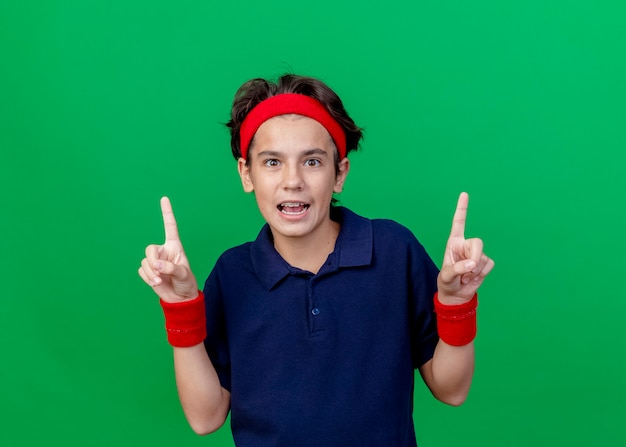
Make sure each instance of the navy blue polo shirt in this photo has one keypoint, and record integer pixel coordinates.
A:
(324, 359)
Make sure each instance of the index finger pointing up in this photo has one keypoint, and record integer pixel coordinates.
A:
(169, 221)
(460, 216)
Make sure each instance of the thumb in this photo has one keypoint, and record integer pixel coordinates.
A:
(449, 273)
(177, 272)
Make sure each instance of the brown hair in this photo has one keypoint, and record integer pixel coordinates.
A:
(256, 90)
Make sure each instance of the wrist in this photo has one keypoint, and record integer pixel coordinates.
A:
(451, 300)
(456, 323)
(179, 292)
(185, 321)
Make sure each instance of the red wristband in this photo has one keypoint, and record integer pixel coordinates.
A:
(456, 323)
(185, 322)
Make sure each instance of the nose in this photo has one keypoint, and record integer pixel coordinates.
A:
(292, 178)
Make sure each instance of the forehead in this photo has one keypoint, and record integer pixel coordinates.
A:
(293, 130)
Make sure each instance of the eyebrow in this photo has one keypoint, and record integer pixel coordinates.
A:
(306, 153)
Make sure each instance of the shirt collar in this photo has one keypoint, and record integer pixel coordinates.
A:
(353, 248)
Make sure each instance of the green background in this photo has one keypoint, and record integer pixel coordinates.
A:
(105, 106)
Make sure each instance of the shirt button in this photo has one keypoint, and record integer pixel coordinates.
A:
(315, 311)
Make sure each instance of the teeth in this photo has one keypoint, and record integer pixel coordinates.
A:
(293, 208)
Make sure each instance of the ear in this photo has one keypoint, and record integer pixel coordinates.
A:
(344, 168)
(244, 173)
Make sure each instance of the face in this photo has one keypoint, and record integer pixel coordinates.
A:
(291, 169)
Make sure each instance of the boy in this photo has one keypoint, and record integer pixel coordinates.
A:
(311, 334)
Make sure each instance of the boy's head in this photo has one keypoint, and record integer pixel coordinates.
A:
(318, 102)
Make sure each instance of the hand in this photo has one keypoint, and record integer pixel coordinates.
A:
(166, 267)
(465, 266)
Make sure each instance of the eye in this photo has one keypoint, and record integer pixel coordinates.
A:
(271, 162)
(313, 162)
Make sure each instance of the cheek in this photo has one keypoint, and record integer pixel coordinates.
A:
(264, 190)
(264, 201)
(337, 184)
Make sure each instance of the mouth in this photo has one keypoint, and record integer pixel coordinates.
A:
(293, 208)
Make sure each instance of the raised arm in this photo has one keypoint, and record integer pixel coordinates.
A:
(166, 269)
(449, 373)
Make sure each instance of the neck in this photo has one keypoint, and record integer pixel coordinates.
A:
(309, 253)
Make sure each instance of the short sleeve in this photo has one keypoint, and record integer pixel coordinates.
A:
(216, 342)
(423, 275)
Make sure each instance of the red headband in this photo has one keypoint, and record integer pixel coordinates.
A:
(285, 104)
